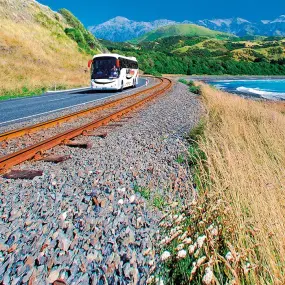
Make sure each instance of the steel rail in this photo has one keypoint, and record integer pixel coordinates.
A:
(10, 160)
(53, 122)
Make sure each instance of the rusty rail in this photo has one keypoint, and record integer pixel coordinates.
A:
(48, 124)
(8, 161)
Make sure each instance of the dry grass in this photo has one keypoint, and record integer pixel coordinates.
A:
(36, 54)
(245, 150)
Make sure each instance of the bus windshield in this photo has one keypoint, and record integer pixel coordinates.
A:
(104, 68)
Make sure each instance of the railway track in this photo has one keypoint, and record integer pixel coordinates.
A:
(117, 108)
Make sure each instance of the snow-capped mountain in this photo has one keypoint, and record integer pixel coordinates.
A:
(236, 26)
(243, 27)
(121, 29)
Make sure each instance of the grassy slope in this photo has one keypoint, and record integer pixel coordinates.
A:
(237, 157)
(211, 44)
(244, 146)
(189, 30)
(35, 52)
(271, 50)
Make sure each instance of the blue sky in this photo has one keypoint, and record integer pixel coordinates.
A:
(98, 11)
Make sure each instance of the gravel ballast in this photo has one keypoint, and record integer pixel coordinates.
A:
(94, 218)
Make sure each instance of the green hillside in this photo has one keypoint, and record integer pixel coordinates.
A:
(189, 30)
(204, 55)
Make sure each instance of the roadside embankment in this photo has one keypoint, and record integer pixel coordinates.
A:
(244, 145)
(236, 227)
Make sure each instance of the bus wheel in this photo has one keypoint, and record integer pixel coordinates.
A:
(135, 83)
(122, 86)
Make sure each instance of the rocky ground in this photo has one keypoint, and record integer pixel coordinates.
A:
(94, 218)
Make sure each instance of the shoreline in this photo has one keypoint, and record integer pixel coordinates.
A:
(224, 77)
(209, 78)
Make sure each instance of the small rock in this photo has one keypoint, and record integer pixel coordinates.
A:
(121, 190)
(3, 247)
(53, 275)
(132, 199)
(64, 243)
(12, 248)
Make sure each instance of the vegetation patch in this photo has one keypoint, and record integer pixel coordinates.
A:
(192, 87)
(194, 249)
(85, 40)
(232, 232)
(23, 92)
(143, 191)
(205, 55)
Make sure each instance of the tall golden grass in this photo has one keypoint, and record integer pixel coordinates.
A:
(245, 147)
(34, 55)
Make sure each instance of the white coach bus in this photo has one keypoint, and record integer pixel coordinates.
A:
(113, 72)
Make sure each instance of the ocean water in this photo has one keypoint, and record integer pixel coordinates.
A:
(272, 89)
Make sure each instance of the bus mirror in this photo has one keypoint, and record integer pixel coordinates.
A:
(118, 63)
(90, 63)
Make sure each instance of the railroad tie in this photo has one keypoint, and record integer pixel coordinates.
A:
(23, 174)
(78, 144)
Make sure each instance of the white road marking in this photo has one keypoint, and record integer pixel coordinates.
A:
(55, 100)
(60, 109)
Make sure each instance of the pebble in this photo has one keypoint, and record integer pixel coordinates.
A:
(82, 220)
(53, 276)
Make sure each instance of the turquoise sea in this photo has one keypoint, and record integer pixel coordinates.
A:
(272, 89)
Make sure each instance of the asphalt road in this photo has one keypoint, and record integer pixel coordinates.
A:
(23, 109)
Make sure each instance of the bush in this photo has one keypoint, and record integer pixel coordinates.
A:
(76, 35)
(195, 90)
(184, 81)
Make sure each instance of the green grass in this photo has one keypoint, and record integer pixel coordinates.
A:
(192, 88)
(24, 92)
(159, 202)
(154, 199)
(28, 92)
(77, 32)
(143, 191)
(180, 159)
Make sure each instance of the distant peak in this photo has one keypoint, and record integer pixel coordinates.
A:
(241, 20)
(120, 19)
(281, 19)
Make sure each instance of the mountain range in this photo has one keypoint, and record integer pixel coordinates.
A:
(120, 29)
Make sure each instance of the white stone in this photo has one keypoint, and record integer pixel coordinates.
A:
(53, 276)
(132, 199)
(121, 202)
(121, 190)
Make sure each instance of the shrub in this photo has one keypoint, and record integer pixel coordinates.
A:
(184, 81)
(195, 89)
